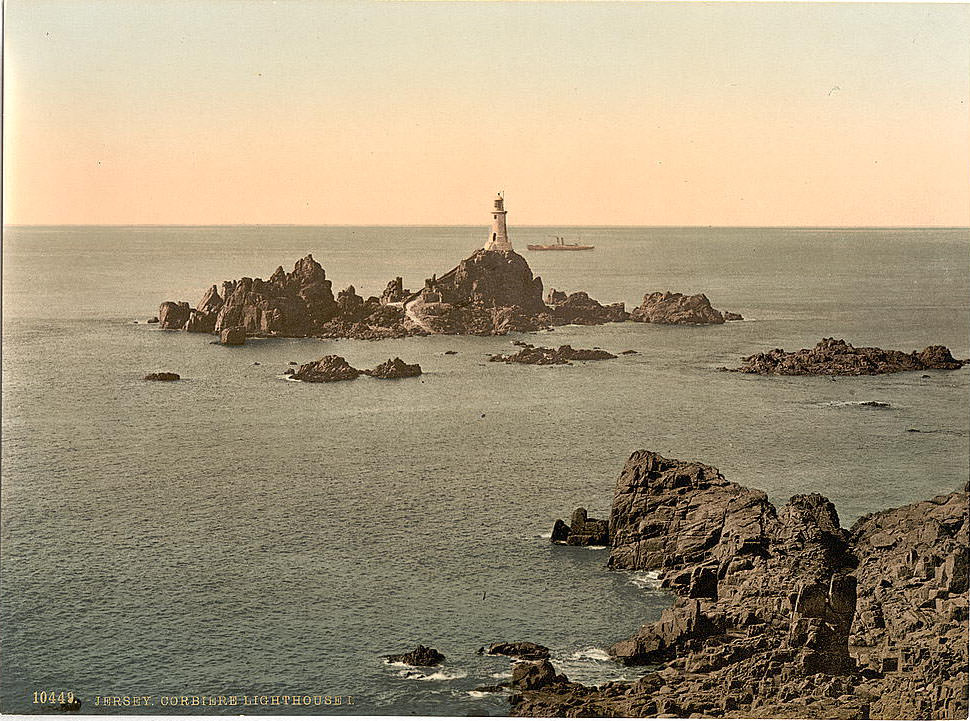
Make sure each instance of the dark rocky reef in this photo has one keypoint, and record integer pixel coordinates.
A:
(536, 355)
(833, 357)
(233, 336)
(523, 650)
(676, 308)
(581, 531)
(420, 656)
(579, 309)
(779, 613)
(163, 376)
(333, 368)
(394, 368)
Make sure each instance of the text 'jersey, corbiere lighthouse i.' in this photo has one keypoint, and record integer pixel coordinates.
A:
(498, 238)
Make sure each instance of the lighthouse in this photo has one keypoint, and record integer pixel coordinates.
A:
(498, 238)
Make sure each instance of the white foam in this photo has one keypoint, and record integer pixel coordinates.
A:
(596, 548)
(545, 535)
(416, 675)
(500, 675)
(645, 579)
(597, 654)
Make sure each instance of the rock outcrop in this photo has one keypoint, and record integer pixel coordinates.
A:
(492, 292)
(394, 368)
(329, 369)
(581, 531)
(233, 336)
(536, 355)
(163, 376)
(676, 308)
(579, 309)
(780, 613)
(420, 656)
(837, 358)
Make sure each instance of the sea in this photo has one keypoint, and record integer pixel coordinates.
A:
(237, 534)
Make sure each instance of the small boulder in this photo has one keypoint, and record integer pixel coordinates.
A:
(153, 319)
(233, 336)
(163, 377)
(533, 675)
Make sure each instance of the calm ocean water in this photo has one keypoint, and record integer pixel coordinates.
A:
(238, 534)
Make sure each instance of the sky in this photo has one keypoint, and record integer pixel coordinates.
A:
(313, 112)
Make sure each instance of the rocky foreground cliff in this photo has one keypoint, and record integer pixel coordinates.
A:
(492, 292)
(778, 612)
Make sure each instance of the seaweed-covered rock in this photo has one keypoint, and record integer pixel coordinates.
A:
(536, 355)
(420, 656)
(163, 376)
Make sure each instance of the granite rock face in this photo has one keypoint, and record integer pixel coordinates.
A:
(780, 613)
(536, 355)
(676, 308)
(329, 369)
(582, 530)
(394, 368)
(838, 358)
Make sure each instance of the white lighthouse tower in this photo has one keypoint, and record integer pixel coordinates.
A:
(498, 238)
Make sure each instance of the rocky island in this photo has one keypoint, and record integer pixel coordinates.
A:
(837, 358)
(778, 612)
(492, 292)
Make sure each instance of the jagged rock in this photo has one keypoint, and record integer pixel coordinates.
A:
(164, 376)
(233, 336)
(768, 599)
(524, 650)
(173, 316)
(836, 357)
(534, 355)
(329, 369)
(581, 531)
(211, 302)
(395, 292)
(152, 320)
(580, 309)
(394, 368)
(676, 308)
(420, 656)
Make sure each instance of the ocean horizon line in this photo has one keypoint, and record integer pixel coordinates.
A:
(475, 225)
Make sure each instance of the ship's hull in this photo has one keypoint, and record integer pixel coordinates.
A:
(561, 247)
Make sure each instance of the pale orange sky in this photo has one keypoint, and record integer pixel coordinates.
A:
(225, 111)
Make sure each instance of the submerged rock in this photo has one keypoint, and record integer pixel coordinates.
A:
(420, 656)
(163, 376)
(676, 308)
(394, 368)
(524, 650)
(329, 369)
(836, 357)
(534, 355)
